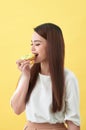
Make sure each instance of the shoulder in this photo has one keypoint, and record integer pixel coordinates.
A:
(71, 87)
(69, 75)
(71, 81)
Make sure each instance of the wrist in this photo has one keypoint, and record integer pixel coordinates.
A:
(25, 76)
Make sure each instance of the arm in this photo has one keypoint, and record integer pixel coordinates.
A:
(72, 126)
(72, 103)
(18, 98)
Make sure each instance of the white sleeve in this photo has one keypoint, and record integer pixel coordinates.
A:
(72, 112)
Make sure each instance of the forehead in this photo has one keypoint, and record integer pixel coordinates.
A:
(36, 36)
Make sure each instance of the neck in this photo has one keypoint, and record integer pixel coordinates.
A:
(45, 69)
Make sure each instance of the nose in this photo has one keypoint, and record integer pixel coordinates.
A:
(33, 48)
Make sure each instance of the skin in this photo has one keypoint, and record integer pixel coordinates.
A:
(38, 46)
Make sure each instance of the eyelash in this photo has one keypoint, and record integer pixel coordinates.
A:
(37, 44)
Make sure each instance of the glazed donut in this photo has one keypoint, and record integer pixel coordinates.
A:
(28, 57)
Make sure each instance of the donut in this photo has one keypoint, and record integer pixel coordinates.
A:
(28, 57)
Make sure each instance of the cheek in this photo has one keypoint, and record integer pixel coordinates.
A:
(44, 53)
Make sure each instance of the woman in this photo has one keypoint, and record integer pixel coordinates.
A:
(47, 91)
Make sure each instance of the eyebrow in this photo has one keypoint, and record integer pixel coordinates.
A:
(36, 41)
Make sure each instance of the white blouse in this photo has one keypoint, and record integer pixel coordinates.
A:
(38, 108)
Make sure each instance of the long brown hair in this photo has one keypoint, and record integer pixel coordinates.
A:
(55, 55)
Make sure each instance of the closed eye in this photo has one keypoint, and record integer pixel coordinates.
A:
(31, 44)
(37, 44)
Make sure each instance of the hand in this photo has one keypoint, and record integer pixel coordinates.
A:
(24, 66)
(72, 126)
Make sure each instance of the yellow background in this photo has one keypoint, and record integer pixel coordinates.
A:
(17, 20)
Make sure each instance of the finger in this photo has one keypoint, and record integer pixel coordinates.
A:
(24, 65)
(18, 62)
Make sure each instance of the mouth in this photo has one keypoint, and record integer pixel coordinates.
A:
(36, 55)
